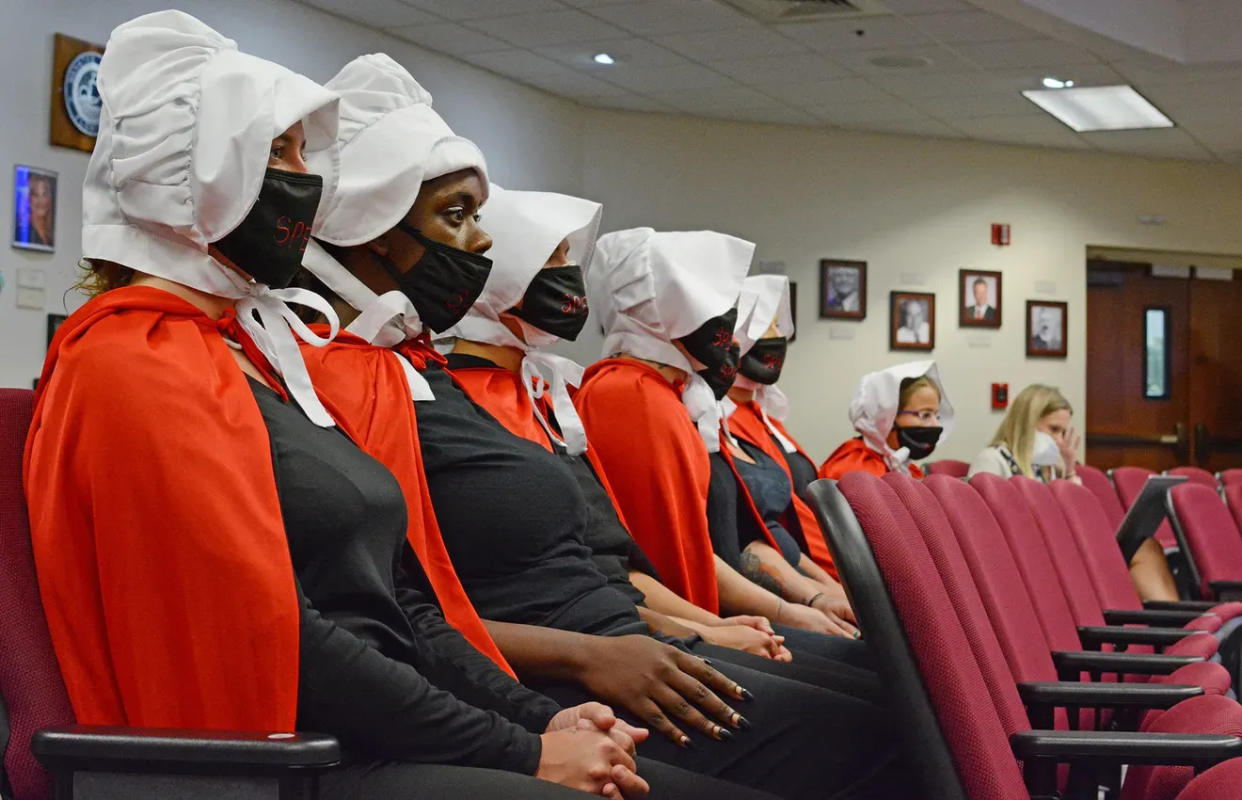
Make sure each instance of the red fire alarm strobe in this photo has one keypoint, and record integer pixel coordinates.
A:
(1000, 233)
(1000, 396)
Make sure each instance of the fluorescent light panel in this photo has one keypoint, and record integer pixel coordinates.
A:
(1099, 108)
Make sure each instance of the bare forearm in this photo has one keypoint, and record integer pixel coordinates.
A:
(1149, 570)
(661, 623)
(664, 600)
(764, 565)
(740, 595)
(545, 653)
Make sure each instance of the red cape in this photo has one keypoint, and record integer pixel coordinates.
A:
(747, 423)
(158, 539)
(658, 469)
(501, 392)
(364, 388)
(854, 455)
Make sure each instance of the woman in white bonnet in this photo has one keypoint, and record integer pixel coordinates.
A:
(212, 552)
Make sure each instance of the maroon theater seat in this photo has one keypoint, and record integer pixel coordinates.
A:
(1210, 539)
(1129, 482)
(1233, 499)
(964, 751)
(1099, 484)
(1110, 575)
(1218, 783)
(948, 466)
(123, 761)
(1195, 475)
(1230, 477)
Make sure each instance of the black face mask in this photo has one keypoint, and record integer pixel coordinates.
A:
(712, 344)
(920, 440)
(270, 241)
(763, 362)
(556, 302)
(443, 284)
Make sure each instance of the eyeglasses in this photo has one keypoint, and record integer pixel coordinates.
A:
(924, 417)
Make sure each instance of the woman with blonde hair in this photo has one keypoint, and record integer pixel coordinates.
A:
(1036, 438)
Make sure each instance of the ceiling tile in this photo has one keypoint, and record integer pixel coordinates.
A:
(627, 102)
(1036, 129)
(734, 96)
(926, 6)
(853, 115)
(752, 41)
(670, 79)
(1153, 70)
(575, 85)
(477, 9)
(1163, 143)
(990, 104)
(833, 36)
(548, 27)
(776, 115)
(632, 50)
(376, 13)
(1030, 53)
(672, 16)
(780, 69)
(1174, 98)
(826, 93)
(914, 127)
(449, 38)
(862, 62)
(520, 64)
(965, 27)
(920, 85)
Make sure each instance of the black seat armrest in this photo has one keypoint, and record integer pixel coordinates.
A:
(1171, 618)
(1226, 590)
(70, 748)
(1193, 749)
(1043, 697)
(1177, 605)
(1071, 663)
(1093, 636)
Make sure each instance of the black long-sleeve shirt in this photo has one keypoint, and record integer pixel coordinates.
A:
(379, 667)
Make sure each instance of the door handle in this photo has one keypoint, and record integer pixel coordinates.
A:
(1203, 447)
(1182, 448)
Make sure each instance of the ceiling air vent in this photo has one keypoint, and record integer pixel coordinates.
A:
(770, 11)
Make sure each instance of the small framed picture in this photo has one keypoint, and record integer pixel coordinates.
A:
(911, 320)
(1046, 323)
(34, 208)
(980, 299)
(842, 289)
(53, 324)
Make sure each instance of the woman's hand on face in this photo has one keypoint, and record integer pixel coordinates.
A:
(659, 684)
(581, 757)
(1068, 445)
(745, 638)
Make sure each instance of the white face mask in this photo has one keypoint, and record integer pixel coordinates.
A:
(1045, 452)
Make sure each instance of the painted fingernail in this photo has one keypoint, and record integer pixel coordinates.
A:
(857, 634)
(685, 741)
(723, 735)
(743, 723)
(744, 694)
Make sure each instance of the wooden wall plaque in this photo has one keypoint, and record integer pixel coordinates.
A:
(75, 99)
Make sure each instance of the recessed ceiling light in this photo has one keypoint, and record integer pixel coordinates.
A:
(1099, 108)
(604, 58)
(900, 62)
(1056, 83)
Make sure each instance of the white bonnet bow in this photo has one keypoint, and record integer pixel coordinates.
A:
(651, 288)
(185, 129)
(873, 410)
(526, 228)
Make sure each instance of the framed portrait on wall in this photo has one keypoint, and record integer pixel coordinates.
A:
(34, 208)
(979, 305)
(911, 321)
(1046, 326)
(842, 289)
(54, 322)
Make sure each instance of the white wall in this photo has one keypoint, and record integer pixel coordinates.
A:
(912, 208)
(529, 137)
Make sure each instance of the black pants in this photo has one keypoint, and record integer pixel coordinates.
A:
(841, 678)
(804, 741)
(401, 781)
(820, 645)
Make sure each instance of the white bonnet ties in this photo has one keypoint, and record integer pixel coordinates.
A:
(185, 128)
(526, 228)
(765, 300)
(651, 288)
(874, 408)
(390, 142)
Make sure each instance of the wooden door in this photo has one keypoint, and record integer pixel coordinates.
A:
(1124, 426)
(1216, 372)
(1199, 418)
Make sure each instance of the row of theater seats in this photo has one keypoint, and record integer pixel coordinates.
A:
(1003, 615)
(96, 763)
